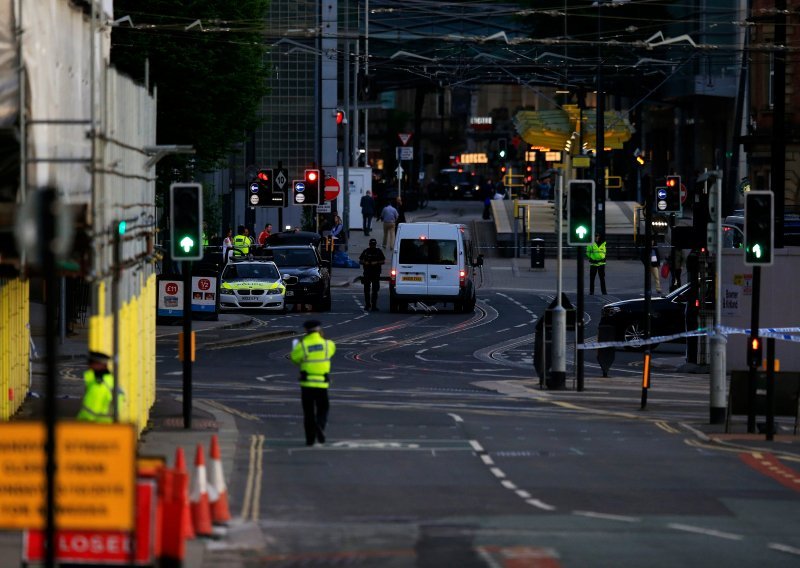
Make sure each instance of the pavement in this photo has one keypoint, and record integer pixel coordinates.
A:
(165, 431)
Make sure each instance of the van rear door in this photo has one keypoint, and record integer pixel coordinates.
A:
(443, 260)
(412, 260)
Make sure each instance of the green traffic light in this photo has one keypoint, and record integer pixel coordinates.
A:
(581, 231)
(121, 227)
(187, 244)
(757, 250)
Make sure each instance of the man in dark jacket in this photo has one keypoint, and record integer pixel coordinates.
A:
(371, 259)
(367, 212)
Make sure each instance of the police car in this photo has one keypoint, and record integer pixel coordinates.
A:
(252, 284)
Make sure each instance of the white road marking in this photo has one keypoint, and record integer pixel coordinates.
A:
(784, 548)
(540, 504)
(487, 459)
(704, 531)
(174, 373)
(497, 472)
(508, 484)
(455, 417)
(605, 516)
(524, 494)
(476, 446)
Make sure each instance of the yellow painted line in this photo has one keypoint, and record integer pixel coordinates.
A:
(252, 491)
(229, 410)
(666, 427)
(738, 449)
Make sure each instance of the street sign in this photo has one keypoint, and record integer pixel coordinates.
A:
(683, 193)
(404, 152)
(280, 187)
(332, 189)
(298, 193)
(94, 478)
(404, 137)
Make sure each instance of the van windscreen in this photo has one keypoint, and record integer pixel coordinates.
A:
(428, 251)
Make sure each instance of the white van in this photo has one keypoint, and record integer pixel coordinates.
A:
(432, 262)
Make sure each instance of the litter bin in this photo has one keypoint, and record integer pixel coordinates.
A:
(537, 253)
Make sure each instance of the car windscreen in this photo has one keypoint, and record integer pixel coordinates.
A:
(285, 257)
(428, 251)
(250, 271)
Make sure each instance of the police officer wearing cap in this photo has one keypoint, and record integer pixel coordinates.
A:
(371, 259)
(99, 391)
(313, 355)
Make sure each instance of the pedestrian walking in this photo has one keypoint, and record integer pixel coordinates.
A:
(98, 396)
(313, 355)
(371, 259)
(401, 211)
(655, 262)
(389, 216)
(596, 252)
(367, 212)
(676, 267)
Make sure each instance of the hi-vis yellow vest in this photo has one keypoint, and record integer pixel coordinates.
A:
(98, 398)
(596, 253)
(241, 245)
(313, 354)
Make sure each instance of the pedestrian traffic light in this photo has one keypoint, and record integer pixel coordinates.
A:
(501, 148)
(341, 117)
(580, 212)
(754, 352)
(186, 221)
(759, 234)
(673, 197)
(312, 190)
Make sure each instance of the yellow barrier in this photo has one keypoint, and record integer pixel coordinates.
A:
(14, 345)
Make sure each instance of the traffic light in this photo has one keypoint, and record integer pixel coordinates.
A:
(341, 117)
(580, 212)
(754, 352)
(501, 148)
(186, 221)
(759, 234)
(312, 191)
(673, 197)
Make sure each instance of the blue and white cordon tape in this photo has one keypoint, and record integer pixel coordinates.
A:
(782, 333)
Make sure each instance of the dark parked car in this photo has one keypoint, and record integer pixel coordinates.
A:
(668, 314)
(313, 284)
(452, 183)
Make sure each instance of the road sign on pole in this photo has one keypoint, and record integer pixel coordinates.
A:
(332, 189)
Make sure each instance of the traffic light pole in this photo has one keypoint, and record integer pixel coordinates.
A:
(752, 370)
(187, 343)
(648, 238)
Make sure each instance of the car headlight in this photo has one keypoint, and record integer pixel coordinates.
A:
(227, 291)
(275, 291)
(611, 310)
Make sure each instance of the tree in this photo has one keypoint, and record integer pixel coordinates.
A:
(210, 76)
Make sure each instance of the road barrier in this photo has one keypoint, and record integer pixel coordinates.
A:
(784, 333)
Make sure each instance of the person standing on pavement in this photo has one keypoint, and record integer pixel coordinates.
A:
(371, 259)
(264, 235)
(98, 396)
(367, 212)
(227, 244)
(389, 217)
(313, 355)
(596, 252)
(241, 243)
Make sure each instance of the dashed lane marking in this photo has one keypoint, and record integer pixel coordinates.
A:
(704, 531)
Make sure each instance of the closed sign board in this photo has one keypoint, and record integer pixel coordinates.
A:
(95, 476)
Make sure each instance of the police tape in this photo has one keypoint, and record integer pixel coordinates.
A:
(784, 334)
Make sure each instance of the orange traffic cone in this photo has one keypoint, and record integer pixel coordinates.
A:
(217, 490)
(186, 515)
(198, 496)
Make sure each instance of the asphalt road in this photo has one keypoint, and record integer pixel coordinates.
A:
(442, 451)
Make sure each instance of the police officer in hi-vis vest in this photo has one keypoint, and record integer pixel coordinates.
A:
(241, 243)
(597, 263)
(313, 355)
(99, 394)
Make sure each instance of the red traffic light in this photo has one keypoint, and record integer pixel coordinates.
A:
(312, 175)
(340, 119)
(263, 175)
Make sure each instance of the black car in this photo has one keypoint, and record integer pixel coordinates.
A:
(668, 314)
(313, 274)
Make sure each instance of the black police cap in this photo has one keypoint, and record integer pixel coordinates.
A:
(311, 325)
(96, 356)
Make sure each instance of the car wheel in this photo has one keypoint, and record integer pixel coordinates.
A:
(632, 332)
